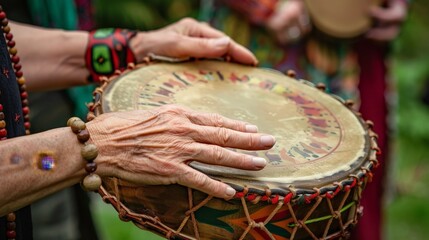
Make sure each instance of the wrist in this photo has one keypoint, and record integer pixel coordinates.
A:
(140, 45)
(89, 153)
(107, 165)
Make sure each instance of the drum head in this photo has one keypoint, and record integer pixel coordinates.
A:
(341, 18)
(319, 140)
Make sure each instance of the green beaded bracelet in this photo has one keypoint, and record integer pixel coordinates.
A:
(89, 153)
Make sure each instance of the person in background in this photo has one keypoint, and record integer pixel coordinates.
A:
(282, 36)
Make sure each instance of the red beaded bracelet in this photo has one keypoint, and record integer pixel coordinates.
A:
(89, 153)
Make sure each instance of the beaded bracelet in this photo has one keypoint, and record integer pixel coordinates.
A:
(89, 152)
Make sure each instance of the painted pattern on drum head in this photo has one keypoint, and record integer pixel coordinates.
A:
(318, 138)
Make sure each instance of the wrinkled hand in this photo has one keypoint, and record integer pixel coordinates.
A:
(289, 22)
(155, 147)
(387, 20)
(189, 38)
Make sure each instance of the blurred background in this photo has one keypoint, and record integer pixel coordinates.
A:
(406, 203)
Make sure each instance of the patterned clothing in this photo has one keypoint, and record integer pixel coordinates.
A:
(316, 58)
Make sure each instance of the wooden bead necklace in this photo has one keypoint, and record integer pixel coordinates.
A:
(13, 52)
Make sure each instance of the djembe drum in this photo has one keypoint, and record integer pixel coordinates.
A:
(311, 186)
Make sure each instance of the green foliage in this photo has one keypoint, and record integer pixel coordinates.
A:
(407, 216)
(143, 15)
(412, 77)
(110, 227)
(413, 41)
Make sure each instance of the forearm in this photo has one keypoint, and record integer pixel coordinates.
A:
(23, 181)
(51, 59)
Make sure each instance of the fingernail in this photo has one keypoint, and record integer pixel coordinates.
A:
(267, 140)
(255, 63)
(259, 162)
(230, 192)
(221, 42)
(251, 128)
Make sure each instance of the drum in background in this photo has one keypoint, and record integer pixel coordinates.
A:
(341, 18)
(316, 172)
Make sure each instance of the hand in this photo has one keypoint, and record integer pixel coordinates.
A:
(189, 38)
(155, 147)
(388, 20)
(289, 22)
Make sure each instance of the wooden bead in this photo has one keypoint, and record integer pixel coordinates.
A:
(24, 95)
(71, 120)
(11, 44)
(2, 124)
(17, 66)
(6, 29)
(5, 22)
(24, 102)
(23, 87)
(11, 234)
(19, 74)
(9, 36)
(11, 217)
(13, 51)
(25, 110)
(89, 152)
(91, 167)
(91, 182)
(15, 59)
(11, 225)
(21, 80)
(77, 126)
(83, 136)
(3, 132)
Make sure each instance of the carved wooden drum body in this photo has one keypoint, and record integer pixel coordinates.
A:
(315, 175)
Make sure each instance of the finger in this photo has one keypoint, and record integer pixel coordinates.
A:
(229, 138)
(203, 183)
(285, 15)
(396, 13)
(213, 48)
(240, 54)
(215, 155)
(217, 120)
(384, 33)
(230, 48)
